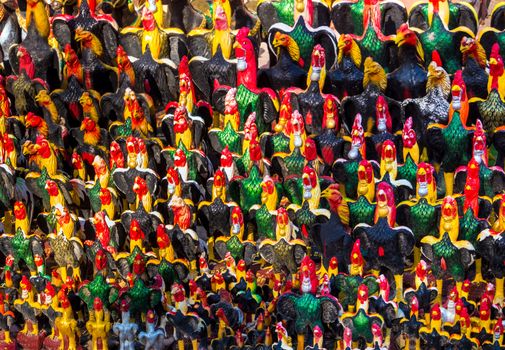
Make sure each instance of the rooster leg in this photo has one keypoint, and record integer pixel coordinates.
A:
(369, 125)
(301, 342)
(427, 316)
(35, 328)
(70, 343)
(8, 222)
(295, 281)
(440, 283)
(210, 249)
(387, 336)
(478, 271)
(418, 344)
(342, 191)
(449, 183)
(194, 343)
(221, 330)
(417, 256)
(180, 344)
(63, 273)
(399, 288)
(437, 167)
(168, 298)
(498, 297)
(415, 261)
(459, 284)
(424, 156)
(7, 337)
(76, 273)
(25, 328)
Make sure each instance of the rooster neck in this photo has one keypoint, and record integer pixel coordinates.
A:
(287, 58)
(38, 14)
(408, 54)
(248, 78)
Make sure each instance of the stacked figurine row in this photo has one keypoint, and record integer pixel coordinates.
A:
(302, 175)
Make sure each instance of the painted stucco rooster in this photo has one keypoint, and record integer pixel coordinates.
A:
(307, 310)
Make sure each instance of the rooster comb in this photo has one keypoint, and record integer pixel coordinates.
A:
(242, 33)
(184, 67)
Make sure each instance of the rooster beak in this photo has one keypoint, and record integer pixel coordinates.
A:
(82, 127)
(399, 39)
(236, 45)
(492, 61)
(325, 193)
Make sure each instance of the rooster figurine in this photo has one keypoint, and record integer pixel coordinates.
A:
(311, 100)
(421, 213)
(474, 71)
(43, 58)
(249, 97)
(235, 244)
(215, 213)
(488, 245)
(151, 37)
(437, 36)
(447, 254)
(125, 329)
(432, 107)
(23, 245)
(286, 251)
(386, 246)
(307, 310)
(288, 71)
(492, 109)
(362, 210)
(124, 178)
(329, 145)
(315, 13)
(264, 214)
(409, 79)
(362, 322)
(30, 308)
(490, 178)
(345, 171)
(99, 325)
(302, 37)
(375, 83)
(187, 325)
(345, 286)
(349, 16)
(452, 142)
(347, 78)
(452, 14)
